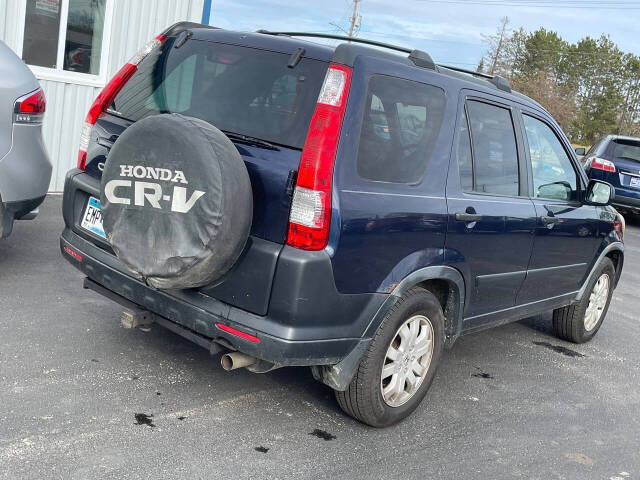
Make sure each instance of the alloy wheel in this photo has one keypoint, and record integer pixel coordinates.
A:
(597, 302)
(407, 361)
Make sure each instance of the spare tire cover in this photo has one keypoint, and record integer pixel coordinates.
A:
(176, 201)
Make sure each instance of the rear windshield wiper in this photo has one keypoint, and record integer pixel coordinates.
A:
(247, 140)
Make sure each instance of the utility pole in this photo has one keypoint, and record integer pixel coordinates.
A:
(355, 18)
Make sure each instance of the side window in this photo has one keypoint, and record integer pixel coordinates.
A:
(463, 153)
(401, 123)
(495, 155)
(554, 177)
(594, 147)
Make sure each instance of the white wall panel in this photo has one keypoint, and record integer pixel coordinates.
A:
(9, 24)
(67, 105)
(137, 22)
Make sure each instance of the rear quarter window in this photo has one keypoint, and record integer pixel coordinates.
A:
(401, 122)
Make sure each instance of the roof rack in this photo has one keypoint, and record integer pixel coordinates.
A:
(418, 57)
(500, 82)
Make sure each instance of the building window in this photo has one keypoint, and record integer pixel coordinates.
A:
(65, 35)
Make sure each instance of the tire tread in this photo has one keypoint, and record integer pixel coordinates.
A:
(568, 321)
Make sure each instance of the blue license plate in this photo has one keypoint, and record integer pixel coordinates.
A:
(92, 218)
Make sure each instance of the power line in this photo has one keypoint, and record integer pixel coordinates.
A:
(579, 4)
(455, 42)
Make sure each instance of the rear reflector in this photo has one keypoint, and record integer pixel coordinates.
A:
(30, 108)
(72, 253)
(105, 98)
(310, 215)
(602, 164)
(237, 333)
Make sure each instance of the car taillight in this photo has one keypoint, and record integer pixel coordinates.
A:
(30, 108)
(105, 98)
(602, 164)
(310, 215)
(620, 225)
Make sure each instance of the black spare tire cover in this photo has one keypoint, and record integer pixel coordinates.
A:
(176, 201)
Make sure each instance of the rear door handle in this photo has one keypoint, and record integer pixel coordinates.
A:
(468, 217)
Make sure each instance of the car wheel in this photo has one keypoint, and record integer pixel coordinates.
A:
(400, 363)
(580, 322)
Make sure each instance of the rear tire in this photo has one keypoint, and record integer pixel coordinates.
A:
(579, 323)
(403, 334)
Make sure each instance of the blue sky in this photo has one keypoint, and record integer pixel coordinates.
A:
(450, 32)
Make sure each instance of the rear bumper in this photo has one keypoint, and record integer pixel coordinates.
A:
(25, 172)
(627, 199)
(198, 314)
(11, 211)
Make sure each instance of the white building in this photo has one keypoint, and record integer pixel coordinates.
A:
(75, 46)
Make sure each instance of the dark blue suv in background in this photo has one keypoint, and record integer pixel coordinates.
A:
(616, 159)
(348, 208)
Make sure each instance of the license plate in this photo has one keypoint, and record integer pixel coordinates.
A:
(634, 182)
(92, 219)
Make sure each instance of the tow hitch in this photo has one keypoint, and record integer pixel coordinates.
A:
(136, 319)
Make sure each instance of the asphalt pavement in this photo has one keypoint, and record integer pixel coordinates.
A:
(83, 398)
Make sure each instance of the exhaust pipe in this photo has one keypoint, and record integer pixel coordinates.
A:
(233, 360)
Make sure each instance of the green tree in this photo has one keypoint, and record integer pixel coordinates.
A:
(591, 87)
(540, 51)
(594, 71)
(629, 119)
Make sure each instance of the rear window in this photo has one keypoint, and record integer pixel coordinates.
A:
(629, 149)
(401, 123)
(237, 89)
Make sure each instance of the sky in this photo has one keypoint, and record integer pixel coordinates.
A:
(449, 30)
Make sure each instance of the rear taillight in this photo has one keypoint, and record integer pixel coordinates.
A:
(30, 108)
(620, 225)
(310, 215)
(104, 100)
(602, 164)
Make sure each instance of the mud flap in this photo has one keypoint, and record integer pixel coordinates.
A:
(339, 376)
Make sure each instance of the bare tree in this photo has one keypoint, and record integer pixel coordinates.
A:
(497, 58)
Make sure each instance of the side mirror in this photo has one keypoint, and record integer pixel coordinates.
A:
(599, 193)
(581, 151)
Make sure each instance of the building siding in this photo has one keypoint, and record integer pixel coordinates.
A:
(9, 12)
(134, 24)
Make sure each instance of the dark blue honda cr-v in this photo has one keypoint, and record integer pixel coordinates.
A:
(616, 159)
(351, 209)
